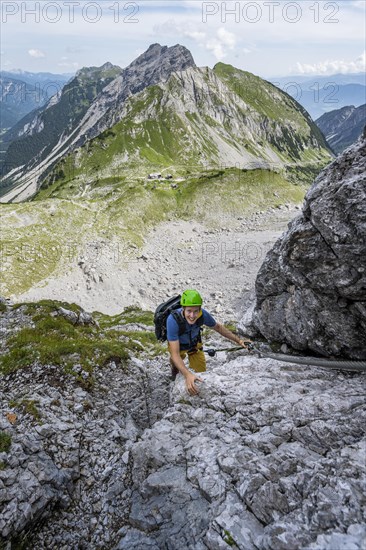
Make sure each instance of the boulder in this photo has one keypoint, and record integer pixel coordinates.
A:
(311, 287)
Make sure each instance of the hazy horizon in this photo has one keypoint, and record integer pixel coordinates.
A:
(20, 71)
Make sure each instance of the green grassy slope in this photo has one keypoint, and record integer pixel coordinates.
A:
(77, 350)
(279, 108)
(101, 190)
(76, 97)
(44, 238)
(169, 127)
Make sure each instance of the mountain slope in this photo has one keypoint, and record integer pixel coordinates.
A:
(163, 110)
(65, 237)
(93, 113)
(198, 119)
(293, 130)
(21, 93)
(342, 127)
(39, 134)
(15, 102)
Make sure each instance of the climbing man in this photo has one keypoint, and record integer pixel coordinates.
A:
(184, 337)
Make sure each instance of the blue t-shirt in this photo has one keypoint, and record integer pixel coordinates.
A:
(190, 335)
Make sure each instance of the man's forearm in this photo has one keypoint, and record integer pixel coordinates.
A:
(226, 333)
(179, 363)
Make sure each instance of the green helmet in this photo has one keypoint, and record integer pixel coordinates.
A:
(191, 298)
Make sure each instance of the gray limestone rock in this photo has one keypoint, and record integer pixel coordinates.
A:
(80, 318)
(268, 456)
(258, 456)
(311, 288)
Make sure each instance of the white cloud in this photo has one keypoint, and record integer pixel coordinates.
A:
(36, 53)
(227, 38)
(359, 4)
(196, 35)
(334, 66)
(221, 43)
(68, 64)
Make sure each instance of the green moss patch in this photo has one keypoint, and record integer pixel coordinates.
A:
(229, 539)
(27, 406)
(5, 442)
(77, 349)
(131, 314)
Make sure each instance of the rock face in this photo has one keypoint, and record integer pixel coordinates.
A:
(267, 457)
(153, 66)
(68, 460)
(257, 461)
(254, 462)
(311, 288)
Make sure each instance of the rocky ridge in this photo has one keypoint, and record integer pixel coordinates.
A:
(197, 119)
(311, 288)
(153, 66)
(342, 127)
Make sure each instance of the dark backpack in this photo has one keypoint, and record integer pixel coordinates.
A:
(162, 313)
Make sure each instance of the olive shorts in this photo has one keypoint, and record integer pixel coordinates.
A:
(196, 358)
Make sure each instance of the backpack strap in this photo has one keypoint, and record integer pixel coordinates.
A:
(200, 323)
(178, 317)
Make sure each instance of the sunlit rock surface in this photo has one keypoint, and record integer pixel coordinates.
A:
(268, 456)
(311, 288)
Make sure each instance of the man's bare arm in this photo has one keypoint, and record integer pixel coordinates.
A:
(174, 350)
(190, 378)
(226, 333)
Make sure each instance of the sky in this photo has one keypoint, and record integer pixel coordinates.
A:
(268, 38)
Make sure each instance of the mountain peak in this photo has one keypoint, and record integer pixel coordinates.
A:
(97, 72)
(108, 65)
(178, 57)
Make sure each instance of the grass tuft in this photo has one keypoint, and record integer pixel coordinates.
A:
(77, 349)
(5, 442)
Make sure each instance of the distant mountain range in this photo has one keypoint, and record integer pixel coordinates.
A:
(321, 94)
(42, 128)
(162, 110)
(342, 127)
(22, 92)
